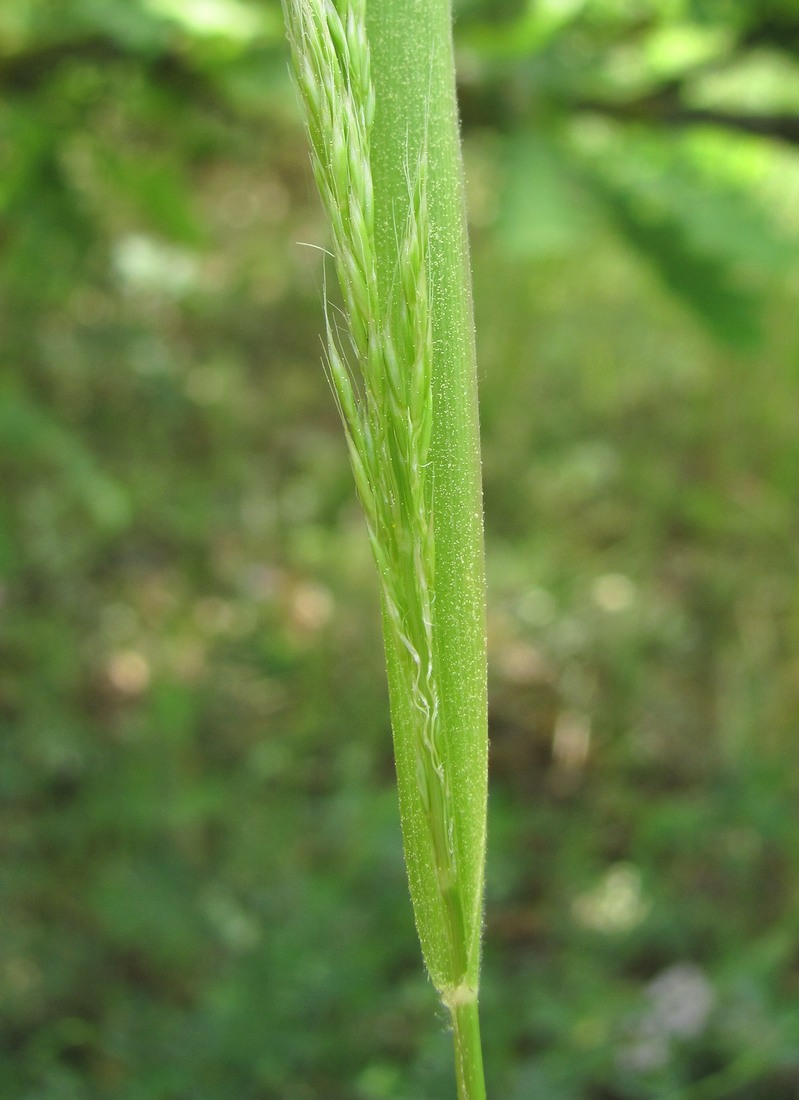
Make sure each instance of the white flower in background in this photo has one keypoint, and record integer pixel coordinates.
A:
(613, 592)
(679, 1002)
(616, 904)
(145, 264)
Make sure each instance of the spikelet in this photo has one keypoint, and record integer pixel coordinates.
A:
(380, 372)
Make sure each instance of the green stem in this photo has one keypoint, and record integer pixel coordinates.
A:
(468, 1052)
(416, 113)
(413, 72)
(386, 156)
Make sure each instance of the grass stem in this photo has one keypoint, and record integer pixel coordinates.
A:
(468, 1051)
(377, 82)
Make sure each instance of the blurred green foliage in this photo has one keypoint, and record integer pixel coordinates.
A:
(201, 879)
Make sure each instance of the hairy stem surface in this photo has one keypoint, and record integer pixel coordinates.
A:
(413, 74)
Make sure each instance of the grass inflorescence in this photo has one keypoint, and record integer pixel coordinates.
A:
(380, 364)
(381, 369)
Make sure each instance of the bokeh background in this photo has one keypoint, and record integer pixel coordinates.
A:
(201, 885)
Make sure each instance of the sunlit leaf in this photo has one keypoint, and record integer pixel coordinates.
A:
(544, 209)
(232, 19)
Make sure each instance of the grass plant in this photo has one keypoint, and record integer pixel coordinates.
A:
(377, 86)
